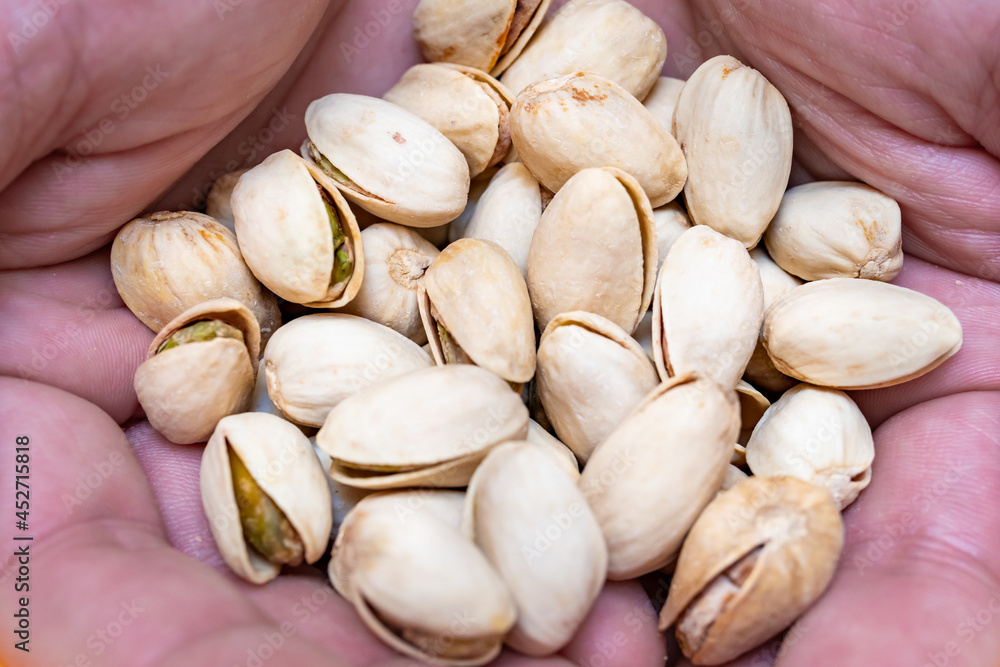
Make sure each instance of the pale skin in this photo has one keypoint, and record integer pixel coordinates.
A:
(903, 96)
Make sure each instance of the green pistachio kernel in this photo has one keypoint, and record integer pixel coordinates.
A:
(199, 332)
(265, 526)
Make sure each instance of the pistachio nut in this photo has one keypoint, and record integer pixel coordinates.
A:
(733, 477)
(607, 37)
(164, 263)
(858, 334)
(535, 527)
(466, 105)
(760, 371)
(199, 369)
(835, 229)
(486, 34)
(443, 421)
(265, 495)
(508, 212)
(595, 250)
(410, 573)
(396, 258)
(591, 374)
(563, 454)
(297, 232)
(670, 222)
(707, 308)
(217, 203)
(736, 132)
(475, 309)
(316, 361)
(651, 478)
(662, 100)
(758, 556)
(387, 160)
(818, 435)
(561, 126)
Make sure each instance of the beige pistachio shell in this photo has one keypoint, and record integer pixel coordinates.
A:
(662, 100)
(466, 105)
(411, 575)
(535, 527)
(670, 221)
(164, 263)
(755, 559)
(561, 126)
(733, 477)
(561, 453)
(316, 361)
(457, 227)
(282, 463)
(396, 258)
(708, 307)
(835, 229)
(476, 292)
(508, 213)
(187, 389)
(858, 334)
(285, 231)
(818, 435)
(760, 371)
(595, 250)
(217, 203)
(608, 37)
(736, 132)
(591, 375)
(394, 164)
(753, 405)
(648, 482)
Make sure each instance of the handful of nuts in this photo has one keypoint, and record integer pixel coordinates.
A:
(448, 477)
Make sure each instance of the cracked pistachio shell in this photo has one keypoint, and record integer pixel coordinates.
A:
(595, 250)
(707, 308)
(475, 291)
(164, 263)
(317, 361)
(818, 435)
(607, 37)
(217, 204)
(858, 334)
(662, 100)
(591, 374)
(563, 454)
(394, 164)
(284, 230)
(760, 371)
(439, 424)
(670, 222)
(187, 389)
(792, 534)
(282, 463)
(736, 132)
(508, 213)
(466, 105)
(535, 527)
(485, 34)
(650, 479)
(396, 258)
(835, 229)
(417, 582)
(561, 126)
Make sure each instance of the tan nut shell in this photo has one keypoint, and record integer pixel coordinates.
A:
(760, 371)
(403, 170)
(416, 572)
(481, 299)
(284, 231)
(595, 250)
(708, 307)
(835, 229)
(591, 375)
(281, 461)
(164, 263)
(563, 454)
(466, 105)
(316, 361)
(736, 132)
(430, 427)
(561, 126)
(662, 100)
(648, 482)
(186, 390)
(670, 221)
(508, 213)
(607, 37)
(535, 526)
(733, 477)
(818, 435)
(217, 201)
(801, 534)
(858, 334)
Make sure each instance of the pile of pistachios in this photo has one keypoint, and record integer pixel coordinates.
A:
(532, 256)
